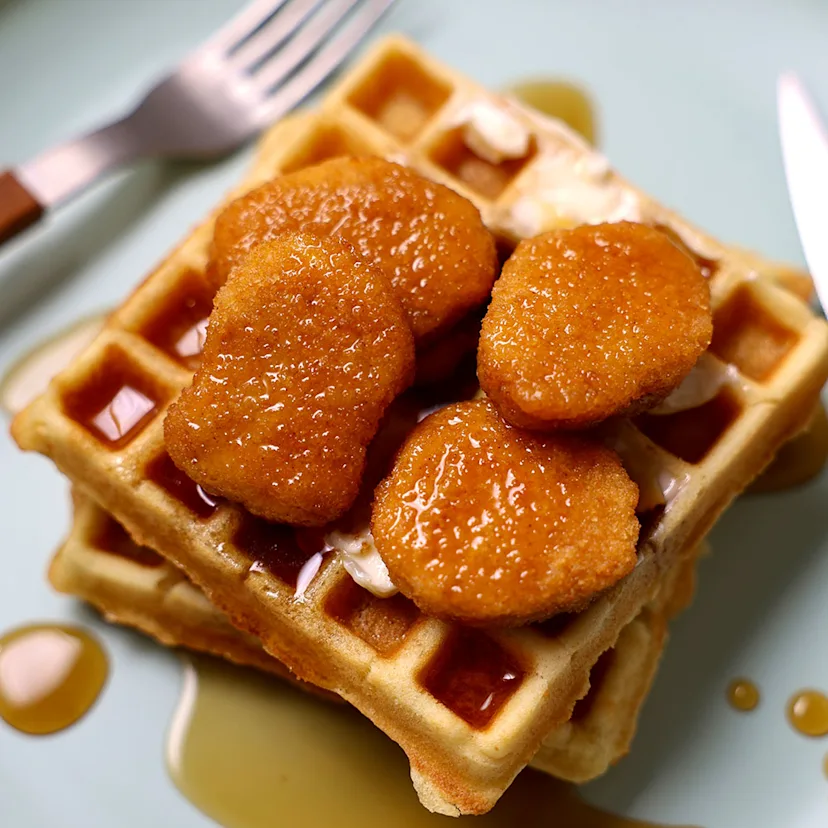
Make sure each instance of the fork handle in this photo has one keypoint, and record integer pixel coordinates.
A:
(60, 173)
(18, 207)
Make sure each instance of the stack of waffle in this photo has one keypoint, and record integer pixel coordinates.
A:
(471, 708)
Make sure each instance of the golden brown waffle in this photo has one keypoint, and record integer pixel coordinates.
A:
(135, 586)
(469, 708)
(601, 729)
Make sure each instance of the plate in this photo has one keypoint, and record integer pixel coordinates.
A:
(686, 104)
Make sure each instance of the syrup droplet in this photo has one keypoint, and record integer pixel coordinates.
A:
(808, 713)
(252, 752)
(50, 675)
(30, 375)
(743, 695)
(560, 99)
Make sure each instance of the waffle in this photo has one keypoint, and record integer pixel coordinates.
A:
(469, 708)
(602, 725)
(136, 587)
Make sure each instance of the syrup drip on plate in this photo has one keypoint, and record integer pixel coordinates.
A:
(252, 752)
(743, 695)
(808, 713)
(30, 375)
(559, 99)
(50, 675)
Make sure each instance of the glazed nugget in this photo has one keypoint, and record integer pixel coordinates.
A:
(430, 241)
(487, 524)
(589, 323)
(306, 347)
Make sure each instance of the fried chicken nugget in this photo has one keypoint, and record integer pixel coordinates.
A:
(306, 347)
(430, 241)
(487, 524)
(588, 323)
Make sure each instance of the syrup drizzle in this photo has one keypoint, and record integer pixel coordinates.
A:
(743, 695)
(50, 676)
(252, 752)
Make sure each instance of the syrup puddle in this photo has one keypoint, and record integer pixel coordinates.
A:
(743, 695)
(559, 99)
(50, 675)
(808, 713)
(28, 377)
(251, 752)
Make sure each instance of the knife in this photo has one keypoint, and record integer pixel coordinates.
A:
(805, 152)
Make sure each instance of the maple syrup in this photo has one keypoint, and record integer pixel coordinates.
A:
(28, 377)
(473, 676)
(743, 695)
(169, 477)
(808, 713)
(252, 752)
(50, 675)
(180, 329)
(566, 101)
(113, 538)
(293, 555)
(116, 401)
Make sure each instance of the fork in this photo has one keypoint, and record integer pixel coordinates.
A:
(250, 73)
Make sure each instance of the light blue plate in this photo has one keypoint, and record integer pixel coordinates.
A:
(686, 95)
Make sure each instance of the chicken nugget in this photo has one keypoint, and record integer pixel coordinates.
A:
(487, 524)
(306, 347)
(589, 323)
(430, 241)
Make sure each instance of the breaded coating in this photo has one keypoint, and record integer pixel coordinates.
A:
(306, 347)
(489, 525)
(430, 241)
(589, 323)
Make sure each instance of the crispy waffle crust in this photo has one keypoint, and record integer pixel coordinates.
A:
(469, 708)
(603, 723)
(131, 585)
(135, 586)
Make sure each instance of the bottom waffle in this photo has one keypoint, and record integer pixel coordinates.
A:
(603, 723)
(134, 586)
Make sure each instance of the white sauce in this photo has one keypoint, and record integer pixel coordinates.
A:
(493, 133)
(362, 562)
(707, 377)
(566, 189)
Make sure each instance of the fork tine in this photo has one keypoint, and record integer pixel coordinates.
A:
(323, 62)
(312, 35)
(244, 24)
(275, 32)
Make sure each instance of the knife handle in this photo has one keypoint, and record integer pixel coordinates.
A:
(18, 207)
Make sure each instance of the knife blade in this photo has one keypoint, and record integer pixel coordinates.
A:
(804, 141)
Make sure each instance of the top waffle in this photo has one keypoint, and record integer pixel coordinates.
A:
(469, 708)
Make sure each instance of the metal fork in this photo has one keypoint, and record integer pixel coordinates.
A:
(257, 68)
